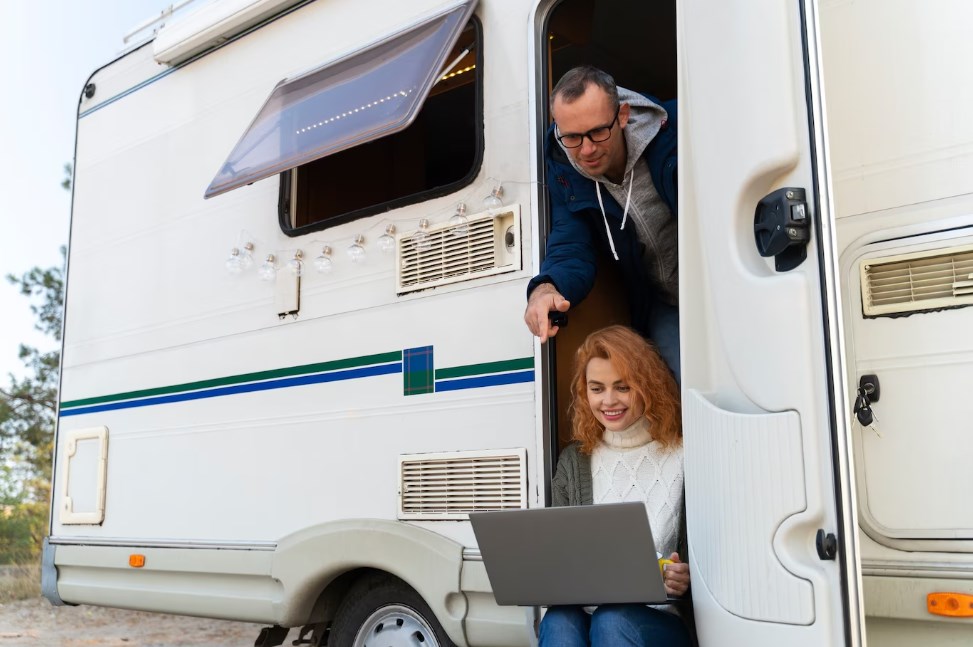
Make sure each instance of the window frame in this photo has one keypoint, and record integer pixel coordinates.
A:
(287, 178)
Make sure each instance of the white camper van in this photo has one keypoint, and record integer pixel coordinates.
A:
(294, 358)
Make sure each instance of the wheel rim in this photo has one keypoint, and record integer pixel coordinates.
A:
(395, 626)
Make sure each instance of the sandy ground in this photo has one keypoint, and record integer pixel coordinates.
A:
(35, 623)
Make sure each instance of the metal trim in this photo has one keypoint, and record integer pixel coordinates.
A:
(160, 543)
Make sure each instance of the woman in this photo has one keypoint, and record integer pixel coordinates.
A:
(627, 447)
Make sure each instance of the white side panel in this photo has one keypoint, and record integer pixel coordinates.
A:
(899, 124)
(256, 466)
(745, 475)
(150, 304)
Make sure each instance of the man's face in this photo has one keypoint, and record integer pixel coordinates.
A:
(594, 109)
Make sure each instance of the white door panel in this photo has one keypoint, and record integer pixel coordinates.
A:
(767, 466)
(729, 457)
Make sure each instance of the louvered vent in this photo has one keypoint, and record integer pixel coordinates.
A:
(930, 280)
(449, 486)
(446, 253)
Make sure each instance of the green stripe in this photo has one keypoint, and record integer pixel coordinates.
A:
(320, 367)
(488, 367)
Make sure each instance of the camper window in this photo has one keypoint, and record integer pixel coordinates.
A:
(439, 153)
(367, 98)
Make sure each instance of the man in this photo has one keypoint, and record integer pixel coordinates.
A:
(611, 177)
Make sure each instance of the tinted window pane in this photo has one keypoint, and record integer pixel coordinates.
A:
(365, 96)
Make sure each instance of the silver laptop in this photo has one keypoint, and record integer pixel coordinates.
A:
(589, 555)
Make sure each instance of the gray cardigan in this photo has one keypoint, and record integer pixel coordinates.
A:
(572, 480)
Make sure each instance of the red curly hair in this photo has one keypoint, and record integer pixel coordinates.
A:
(643, 369)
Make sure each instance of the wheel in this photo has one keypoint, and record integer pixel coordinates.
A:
(383, 611)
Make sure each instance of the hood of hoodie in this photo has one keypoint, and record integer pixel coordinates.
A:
(644, 122)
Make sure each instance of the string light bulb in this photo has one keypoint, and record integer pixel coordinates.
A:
(323, 262)
(386, 242)
(247, 256)
(459, 224)
(268, 269)
(240, 260)
(494, 200)
(356, 251)
(234, 264)
(296, 265)
(421, 238)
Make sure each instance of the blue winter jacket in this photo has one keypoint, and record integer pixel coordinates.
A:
(578, 230)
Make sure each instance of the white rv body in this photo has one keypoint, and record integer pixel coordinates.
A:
(244, 449)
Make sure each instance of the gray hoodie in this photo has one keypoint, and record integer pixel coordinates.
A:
(654, 223)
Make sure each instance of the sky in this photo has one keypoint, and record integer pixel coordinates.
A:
(50, 49)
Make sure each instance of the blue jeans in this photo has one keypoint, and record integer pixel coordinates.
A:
(664, 333)
(612, 625)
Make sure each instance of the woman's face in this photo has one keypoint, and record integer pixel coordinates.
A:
(612, 401)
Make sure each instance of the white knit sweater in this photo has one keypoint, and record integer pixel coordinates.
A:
(629, 465)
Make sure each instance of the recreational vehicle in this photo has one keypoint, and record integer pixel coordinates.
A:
(294, 358)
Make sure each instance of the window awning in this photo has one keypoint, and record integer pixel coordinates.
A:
(372, 93)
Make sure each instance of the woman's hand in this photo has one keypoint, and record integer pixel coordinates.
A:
(675, 576)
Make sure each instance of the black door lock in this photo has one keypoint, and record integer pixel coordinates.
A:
(782, 227)
(868, 392)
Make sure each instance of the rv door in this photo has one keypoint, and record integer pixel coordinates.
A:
(770, 505)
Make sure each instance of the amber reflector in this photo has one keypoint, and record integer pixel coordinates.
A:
(957, 605)
(136, 561)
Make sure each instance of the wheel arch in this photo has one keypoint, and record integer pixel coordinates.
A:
(317, 565)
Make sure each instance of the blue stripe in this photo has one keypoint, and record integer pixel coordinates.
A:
(484, 380)
(284, 383)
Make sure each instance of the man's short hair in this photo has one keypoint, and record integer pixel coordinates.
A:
(576, 80)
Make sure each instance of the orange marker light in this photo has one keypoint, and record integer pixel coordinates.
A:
(136, 561)
(955, 605)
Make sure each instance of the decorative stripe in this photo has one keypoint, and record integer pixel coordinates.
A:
(417, 366)
(417, 371)
(488, 367)
(351, 362)
(486, 380)
(334, 376)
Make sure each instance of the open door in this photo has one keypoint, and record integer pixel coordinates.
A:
(770, 505)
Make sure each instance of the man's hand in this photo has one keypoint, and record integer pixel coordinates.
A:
(543, 299)
(675, 576)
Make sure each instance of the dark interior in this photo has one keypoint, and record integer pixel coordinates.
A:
(635, 42)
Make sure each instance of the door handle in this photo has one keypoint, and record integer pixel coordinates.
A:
(782, 227)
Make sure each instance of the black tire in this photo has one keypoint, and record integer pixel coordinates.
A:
(384, 611)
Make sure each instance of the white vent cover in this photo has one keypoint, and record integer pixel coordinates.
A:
(928, 280)
(444, 253)
(451, 485)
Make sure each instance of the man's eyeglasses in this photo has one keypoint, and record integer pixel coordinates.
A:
(596, 135)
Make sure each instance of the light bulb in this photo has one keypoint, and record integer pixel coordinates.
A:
(296, 265)
(323, 263)
(460, 226)
(268, 269)
(421, 238)
(234, 265)
(246, 256)
(386, 242)
(494, 201)
(356, 251)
